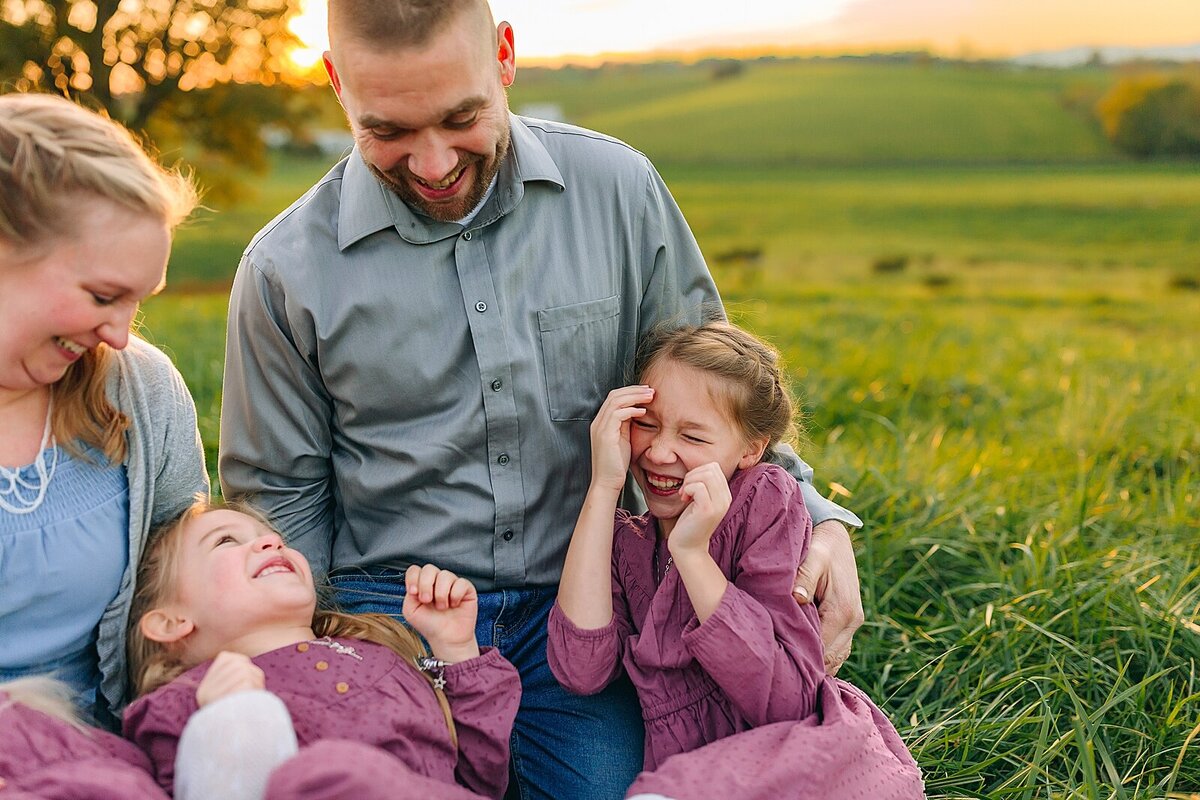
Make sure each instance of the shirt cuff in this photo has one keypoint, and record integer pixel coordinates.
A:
(821, 509)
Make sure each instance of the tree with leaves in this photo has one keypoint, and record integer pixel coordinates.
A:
(187, 73)
(1153, 114)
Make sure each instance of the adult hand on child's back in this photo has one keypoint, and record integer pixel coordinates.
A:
(829, 577)
(610, 434)
(706, 493)
(442, 607)
(229, 673)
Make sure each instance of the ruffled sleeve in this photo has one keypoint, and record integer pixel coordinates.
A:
(155, 722)
(484, 694)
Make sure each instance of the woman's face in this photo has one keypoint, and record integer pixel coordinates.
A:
(78, 292)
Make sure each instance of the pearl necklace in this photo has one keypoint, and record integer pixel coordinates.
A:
(13, 497)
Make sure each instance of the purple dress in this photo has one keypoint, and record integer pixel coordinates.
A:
(44, 758)
(362, 693)
(756, 665)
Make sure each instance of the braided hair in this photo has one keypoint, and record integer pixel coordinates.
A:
(755, 392)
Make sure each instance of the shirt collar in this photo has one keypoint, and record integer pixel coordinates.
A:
(367, 207)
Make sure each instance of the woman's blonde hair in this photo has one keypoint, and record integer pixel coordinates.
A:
(756, 397)
(153, 664)
(55, 158)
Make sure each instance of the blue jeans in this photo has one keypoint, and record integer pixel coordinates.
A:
(564, 747)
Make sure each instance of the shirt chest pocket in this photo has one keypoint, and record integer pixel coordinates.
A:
(579, 356)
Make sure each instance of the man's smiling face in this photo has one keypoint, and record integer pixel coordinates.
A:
(431, 120)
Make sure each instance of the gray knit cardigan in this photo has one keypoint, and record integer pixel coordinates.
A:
(165, 465)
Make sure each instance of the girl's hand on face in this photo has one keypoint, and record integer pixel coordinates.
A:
(229, 673)
(706, 493)
(442, 607)
(610, 435)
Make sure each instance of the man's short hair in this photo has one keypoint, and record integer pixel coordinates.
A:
(396, 23)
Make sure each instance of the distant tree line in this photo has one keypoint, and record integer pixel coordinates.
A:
(1153, 114)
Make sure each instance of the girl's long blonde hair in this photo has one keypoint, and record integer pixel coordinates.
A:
(55, 159)
(153, 664)
(49, 696)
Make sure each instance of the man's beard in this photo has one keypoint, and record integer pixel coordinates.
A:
(399, 182)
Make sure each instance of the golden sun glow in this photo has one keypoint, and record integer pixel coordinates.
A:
(309, 27)
(559, 30)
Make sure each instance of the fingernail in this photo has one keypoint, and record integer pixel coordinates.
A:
(801, 591)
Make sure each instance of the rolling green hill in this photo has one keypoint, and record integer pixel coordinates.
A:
(840, 112)
(834, 163)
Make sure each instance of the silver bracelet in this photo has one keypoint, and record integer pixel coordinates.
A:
(435, 667)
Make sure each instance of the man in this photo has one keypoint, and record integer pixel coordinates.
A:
(417, 347)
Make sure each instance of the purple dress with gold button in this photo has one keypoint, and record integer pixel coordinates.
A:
(738, 706)
(360, 693)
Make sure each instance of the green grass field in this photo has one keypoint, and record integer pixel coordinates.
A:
(1015, 413)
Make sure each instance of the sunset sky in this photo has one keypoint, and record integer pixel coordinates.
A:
(553, 29)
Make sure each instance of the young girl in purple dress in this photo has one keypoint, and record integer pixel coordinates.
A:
(694, 598)
(223, 606)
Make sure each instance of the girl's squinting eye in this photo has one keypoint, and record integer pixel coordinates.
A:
(102, 300)
(226, 538)
(694, 439)
(643, 424)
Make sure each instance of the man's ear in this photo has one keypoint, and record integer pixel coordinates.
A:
(161, 626)
(331, 71)
(506, 54)
(752, 453)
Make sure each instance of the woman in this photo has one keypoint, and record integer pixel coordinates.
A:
(98, 444)
(98, 440)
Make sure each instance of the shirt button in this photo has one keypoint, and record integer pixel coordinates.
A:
(467, 236)
(342, 688)
(481, 306)
(322, 666)
(302, 647)
(503, 459)
(507, 535)
(497, 385)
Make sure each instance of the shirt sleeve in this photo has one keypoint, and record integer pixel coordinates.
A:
(276, 437)
(679, 286)
(484, 694)
(584, 661)
(819, 508)
(760, 647)
(155, 722)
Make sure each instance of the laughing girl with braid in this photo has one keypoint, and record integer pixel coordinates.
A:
(694, 598)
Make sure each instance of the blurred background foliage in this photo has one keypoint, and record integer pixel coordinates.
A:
(199, 78)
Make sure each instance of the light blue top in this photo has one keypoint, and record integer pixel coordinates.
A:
(60, 567)
(164, 466)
